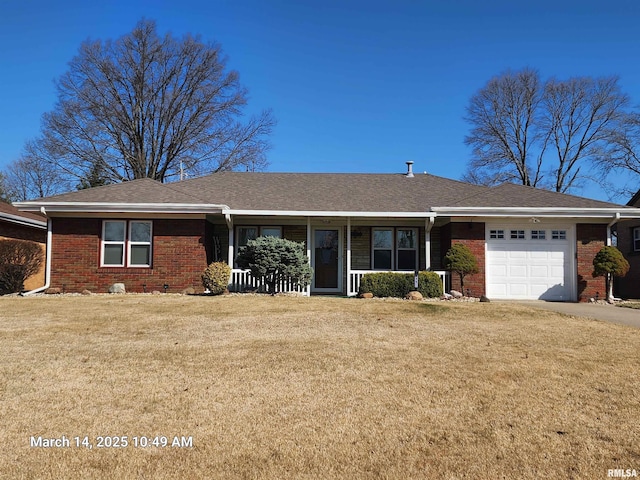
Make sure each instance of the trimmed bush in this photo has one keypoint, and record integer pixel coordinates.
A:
(19, 259)
(391, 284)
(216, 277)
(461, 260)
(609, 262)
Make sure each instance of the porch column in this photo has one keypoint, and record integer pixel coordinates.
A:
(428, 225)
(309, 250)
(229, 219)
(349, 256)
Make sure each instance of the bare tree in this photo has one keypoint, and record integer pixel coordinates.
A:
(503, 134)
(34, 175)
(582, 116)
(150, 106)
(541, 134)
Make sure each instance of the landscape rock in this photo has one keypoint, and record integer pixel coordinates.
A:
(155, 292)
(446, 296)
(366, 295)
(414, 295)
(53, 291)
(189, 291)
(456, 294)
(484, 299)
(117, 288)
(86, 292)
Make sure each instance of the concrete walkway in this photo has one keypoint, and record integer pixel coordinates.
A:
(607, 313)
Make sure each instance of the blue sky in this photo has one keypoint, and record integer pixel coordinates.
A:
(356, 86)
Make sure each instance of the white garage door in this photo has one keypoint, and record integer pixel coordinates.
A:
(529, 262)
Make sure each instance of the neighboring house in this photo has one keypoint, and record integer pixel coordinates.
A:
(628, 232)
(17, 225)
(529, 243)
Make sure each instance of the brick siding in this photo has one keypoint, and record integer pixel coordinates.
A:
(629, 285)
(590, 239)
(472, 235)
(178, 257)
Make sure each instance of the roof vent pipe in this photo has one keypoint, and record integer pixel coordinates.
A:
(409, 169)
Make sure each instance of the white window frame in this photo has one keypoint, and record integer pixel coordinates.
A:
(126, 244)
(131, 243)
(104, 243)
(636, 239)
(416, 234)
(558, 234)
(391, 248)
(517, 234)
(538, 234)
(395, 248)
(496, 234)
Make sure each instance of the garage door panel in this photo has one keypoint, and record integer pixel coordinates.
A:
(528, 268)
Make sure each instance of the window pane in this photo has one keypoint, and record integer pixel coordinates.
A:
(140, 232)
(407, 260)
(271, 232)
(382, 259)
(140, 255)
(245, 234)
(406, 238)
(113, 254)
(383, 239)
(114, 231)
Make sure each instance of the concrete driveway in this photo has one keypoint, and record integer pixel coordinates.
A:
(607, 313)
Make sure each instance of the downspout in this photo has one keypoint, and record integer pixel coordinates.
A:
(611, 224)
(47, 270)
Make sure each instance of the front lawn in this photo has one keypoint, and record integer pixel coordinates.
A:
(285, 387)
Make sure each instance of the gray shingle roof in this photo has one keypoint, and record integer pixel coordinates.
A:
(321, 192)
(326, 191)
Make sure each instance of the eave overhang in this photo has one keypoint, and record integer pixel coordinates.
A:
(543, 212)
(28, 222)
(99, 207)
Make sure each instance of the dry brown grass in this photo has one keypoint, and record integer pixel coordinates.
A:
(280, 387)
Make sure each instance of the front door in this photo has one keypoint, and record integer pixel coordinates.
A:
(327, 260)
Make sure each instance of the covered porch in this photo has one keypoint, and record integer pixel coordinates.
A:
(341, 248)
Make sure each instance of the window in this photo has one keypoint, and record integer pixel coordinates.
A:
(407, 251)
(558, 234)
(246, 233)
(538, 234)
(126, 243)
(498, 234)
(517, 234)
(636, 239)
(383, 249)
(395, 249)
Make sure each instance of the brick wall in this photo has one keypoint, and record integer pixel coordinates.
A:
(629, 285)
(472, 235)
(22, 232)
(590, 239)
(178, 257)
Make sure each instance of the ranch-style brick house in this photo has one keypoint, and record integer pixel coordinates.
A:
(530, 243)
(24, 226)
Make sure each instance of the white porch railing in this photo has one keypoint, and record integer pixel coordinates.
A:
(242, 280)
(353, 282)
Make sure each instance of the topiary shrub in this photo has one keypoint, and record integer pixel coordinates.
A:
(461, 260)
(19, 259)
(609, 262)
(275, 260)
(216, 277)
(391, 284)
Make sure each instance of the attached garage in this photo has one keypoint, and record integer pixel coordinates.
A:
(530, 262)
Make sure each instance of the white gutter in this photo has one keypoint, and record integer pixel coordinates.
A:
(325, 213)
(536, 211)
(611, 224)
(100, 207)
(47, 270)
(23, 220)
